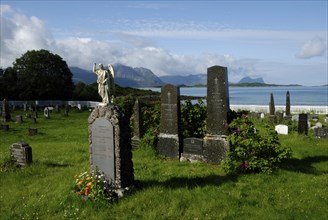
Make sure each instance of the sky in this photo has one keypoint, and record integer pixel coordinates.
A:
(284, 42)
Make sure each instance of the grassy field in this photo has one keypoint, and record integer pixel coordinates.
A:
(170, 189)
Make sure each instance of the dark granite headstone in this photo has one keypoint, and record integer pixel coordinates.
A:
(287, 105)
(110, 145)
(303, 124)
(217, 100)
(5, 111)
(169, 137)
(137, 124)
(32, 131)
(215, 145)
(21, 153)
(193, 146)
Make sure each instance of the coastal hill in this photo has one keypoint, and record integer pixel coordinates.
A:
(127, 76)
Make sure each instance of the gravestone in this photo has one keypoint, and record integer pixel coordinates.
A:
(5, 127)
(19, 118)
(321, 132)
(25, 107)
(192, 150)
(46, 112)
(281, 129)
(32, 131)
(110, 145)
(21, 153)
(262, 115)
(303, 124)
(57, 109)
(169, 138)
(79, 107)
(66, 110)
(215, 144)
(288, 115)
(137, 124)
(5, 111)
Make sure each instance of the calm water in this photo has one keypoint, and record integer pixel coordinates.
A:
(299, 95)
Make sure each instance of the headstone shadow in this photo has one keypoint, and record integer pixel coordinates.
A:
(190, 182)
(305, 165)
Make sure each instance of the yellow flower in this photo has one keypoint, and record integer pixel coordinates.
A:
(80, 182)
(88, 178)
(89, 184)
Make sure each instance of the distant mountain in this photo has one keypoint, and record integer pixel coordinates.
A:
(190, 80)
(82, 75)
(125, 76)
(251, 80)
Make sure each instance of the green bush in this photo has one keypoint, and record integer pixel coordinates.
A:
(193, 118)
(151, 121)
(251, 152)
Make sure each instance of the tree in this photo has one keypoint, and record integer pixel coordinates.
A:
(42, 75)
(8, 84)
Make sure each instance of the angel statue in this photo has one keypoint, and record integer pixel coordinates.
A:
(105, 82)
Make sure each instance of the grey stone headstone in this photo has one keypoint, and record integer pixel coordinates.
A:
(21, 153)
(321, 132)
(46, 112)
(303, 124)
(215, 145)
(32, 131)
(217, 100)
(193, 146)
(110, 145)
(5, 111)
(19, 118)
(103, 147)
(25, 107)
(137, 124)
(169, 137)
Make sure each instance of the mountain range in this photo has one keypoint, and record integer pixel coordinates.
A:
(127, 76)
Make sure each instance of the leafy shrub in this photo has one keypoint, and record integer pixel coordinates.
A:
(151, 121)
(250, 151)
(193, 118)
(126, 103)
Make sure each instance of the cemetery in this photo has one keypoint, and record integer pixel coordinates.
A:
(163, 159)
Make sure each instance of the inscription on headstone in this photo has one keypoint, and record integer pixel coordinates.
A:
(21, 153)
(303, 124)
(103, 147)
(193, 146)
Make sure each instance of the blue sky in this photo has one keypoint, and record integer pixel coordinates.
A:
(282, 41)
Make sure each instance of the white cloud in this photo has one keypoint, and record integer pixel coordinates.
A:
(313, 48)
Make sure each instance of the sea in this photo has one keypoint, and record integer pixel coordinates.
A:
(299, 95)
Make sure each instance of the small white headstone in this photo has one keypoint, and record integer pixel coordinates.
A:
(262, 115)
(281, 129)
(79, 106)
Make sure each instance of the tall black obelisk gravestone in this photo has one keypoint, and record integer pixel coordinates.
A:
(215, 145)
(110, 145)
(169, 138)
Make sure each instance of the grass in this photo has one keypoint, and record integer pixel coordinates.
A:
(170, 189)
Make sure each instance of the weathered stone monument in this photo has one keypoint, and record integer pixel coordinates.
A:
(321, 132)
(281, 129)
(303, 124)
(5, 111)
(169, 139)
(21, 153)
(110, 145)
(19, 118)
(46, 112)
(192, 150)
(137, 124)
(32, 131)
(288, 115)
(215, 145)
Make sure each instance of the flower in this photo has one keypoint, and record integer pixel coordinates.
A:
(87, 191)
(88, 178)
(89, 184)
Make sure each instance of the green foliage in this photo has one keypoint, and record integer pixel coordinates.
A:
(126, 103)
(42, 75)
(251, 152)
(83, 92)
(8, 84)
(151, 121)
(193, 118)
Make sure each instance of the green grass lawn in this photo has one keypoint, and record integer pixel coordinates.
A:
(170, 189)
